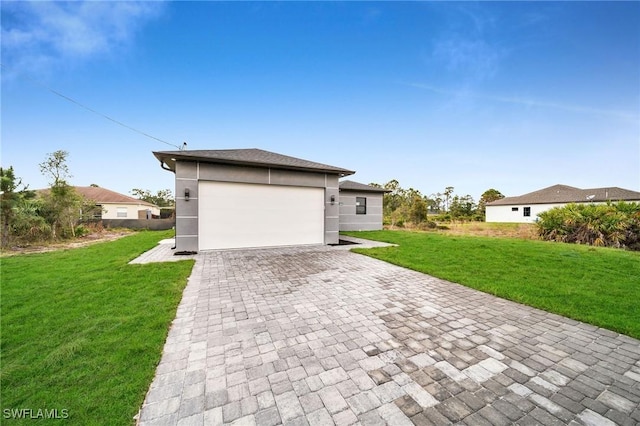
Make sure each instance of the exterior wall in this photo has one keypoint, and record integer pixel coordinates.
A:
(350, 221)
(186, 209)
(188, 174)
(110, 211)
(505, 213)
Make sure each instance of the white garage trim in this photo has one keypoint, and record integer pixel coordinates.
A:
(235, 215)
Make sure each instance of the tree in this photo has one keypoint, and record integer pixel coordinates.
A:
(462, 208)
(55, 167)
(418, 210)
(13, 195)
(448, 191)
(62, 204)
(162, 198)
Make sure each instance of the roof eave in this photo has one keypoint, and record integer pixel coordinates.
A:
(170, 160)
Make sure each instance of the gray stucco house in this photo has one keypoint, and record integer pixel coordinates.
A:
(253, 198)
(360, 206)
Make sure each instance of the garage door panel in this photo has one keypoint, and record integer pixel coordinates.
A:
(234, 215)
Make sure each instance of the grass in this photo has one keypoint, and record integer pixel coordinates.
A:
(83, 331)
(596, 285)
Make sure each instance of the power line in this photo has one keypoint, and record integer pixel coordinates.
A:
(63, 96)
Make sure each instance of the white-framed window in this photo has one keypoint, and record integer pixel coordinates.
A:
(514, 209)
(526, 211)
(121, 212)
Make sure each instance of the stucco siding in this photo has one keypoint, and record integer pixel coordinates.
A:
(508, 214)
(350, 221)
(130, 211)
(189, 174)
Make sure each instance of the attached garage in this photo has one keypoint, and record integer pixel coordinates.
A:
(240, 198)
(233, 215)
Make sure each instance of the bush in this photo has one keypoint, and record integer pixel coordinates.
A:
(606, 225)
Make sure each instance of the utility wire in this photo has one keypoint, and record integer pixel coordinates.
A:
(63, 96)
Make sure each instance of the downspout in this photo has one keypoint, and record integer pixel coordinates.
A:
(162, 164)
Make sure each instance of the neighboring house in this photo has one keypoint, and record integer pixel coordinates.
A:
(526, 208)
(252, 198)
(118, 206)
(360, 206)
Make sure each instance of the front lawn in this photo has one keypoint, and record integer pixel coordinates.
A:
(83, 331)
(595, 285)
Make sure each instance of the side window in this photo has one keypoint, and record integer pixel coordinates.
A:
(361, 205)
(526, 211)
(121, 212)
(514, 209)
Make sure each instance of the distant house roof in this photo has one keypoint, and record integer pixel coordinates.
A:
(350, 185)
(559, 194)
(105, 196)
(247, 157)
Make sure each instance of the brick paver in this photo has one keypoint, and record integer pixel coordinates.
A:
(319, 335)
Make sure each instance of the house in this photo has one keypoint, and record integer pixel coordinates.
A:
(117, 206)
(252, 198)
(360, 206)
(526, 208)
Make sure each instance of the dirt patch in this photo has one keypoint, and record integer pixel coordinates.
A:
(515, 230)
(505, 230)
(93, 238)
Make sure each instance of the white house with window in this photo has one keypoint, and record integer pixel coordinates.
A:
(526, 208)
(114, 205)
(360, 206)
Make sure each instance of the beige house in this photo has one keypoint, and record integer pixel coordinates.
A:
(526, 208)
(118, 206)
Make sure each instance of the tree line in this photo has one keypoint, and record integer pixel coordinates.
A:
(402, 207)
(56, 213)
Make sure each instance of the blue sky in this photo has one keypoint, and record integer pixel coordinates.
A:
(514, 96)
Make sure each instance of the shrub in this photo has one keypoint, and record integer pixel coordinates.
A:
(607, 225)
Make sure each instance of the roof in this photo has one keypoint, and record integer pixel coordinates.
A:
(105, 196)
(558, 194)
(350, 185)
(247, 157)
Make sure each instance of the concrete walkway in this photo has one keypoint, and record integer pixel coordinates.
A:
(321, 336)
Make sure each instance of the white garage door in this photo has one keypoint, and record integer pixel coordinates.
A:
(234, 215)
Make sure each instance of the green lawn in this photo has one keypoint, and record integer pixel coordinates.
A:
(82, 331)
(595, 285)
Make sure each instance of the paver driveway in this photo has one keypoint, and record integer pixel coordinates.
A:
(318, 335)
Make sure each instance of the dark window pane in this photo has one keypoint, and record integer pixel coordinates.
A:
(361, 205)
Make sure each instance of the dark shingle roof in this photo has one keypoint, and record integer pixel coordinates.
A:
(247, 157)
(356, 186)
(569, 194)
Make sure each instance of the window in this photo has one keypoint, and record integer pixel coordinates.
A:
(121, 212)
(361, 205)
(526, 211)
(514, 209)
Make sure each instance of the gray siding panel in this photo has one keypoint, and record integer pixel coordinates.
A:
(227, 173)
(186, 211)
(288, 177)
(350, 221)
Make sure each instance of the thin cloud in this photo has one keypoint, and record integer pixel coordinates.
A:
(527, 102)
(41, 34)
(466, 47)
(473, 57)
